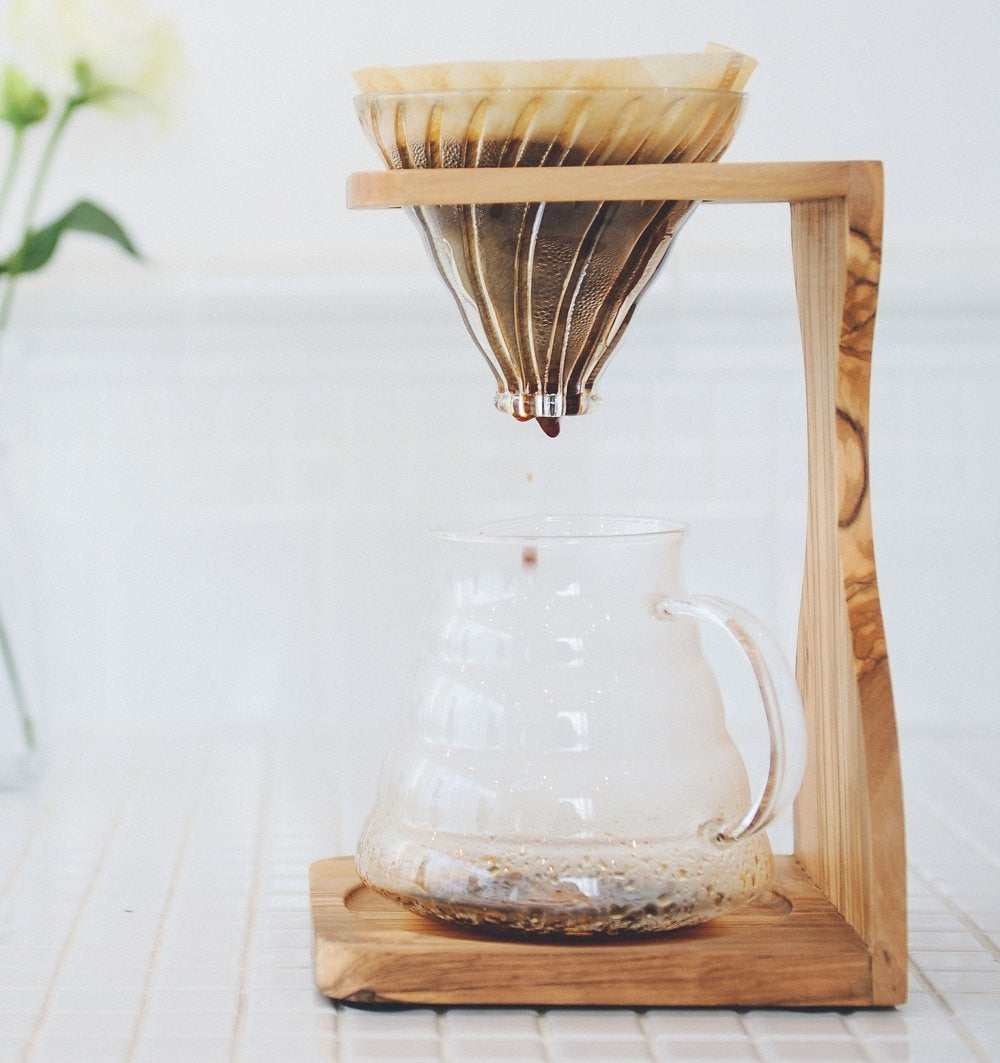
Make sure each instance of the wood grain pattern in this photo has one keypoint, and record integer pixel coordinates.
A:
(849, 817)
(847, 882)
(792, 948)
(719, 182)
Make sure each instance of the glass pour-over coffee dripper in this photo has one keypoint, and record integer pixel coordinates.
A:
(546, 289)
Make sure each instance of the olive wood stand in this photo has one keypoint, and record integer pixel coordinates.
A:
(833, 931)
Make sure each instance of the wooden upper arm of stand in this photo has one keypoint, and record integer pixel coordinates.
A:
(731, 182)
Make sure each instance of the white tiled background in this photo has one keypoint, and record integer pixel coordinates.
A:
(218, 468)
(223, 511)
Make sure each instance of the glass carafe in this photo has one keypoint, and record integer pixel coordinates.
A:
(563, 764)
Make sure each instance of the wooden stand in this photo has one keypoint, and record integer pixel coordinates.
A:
(834, 932)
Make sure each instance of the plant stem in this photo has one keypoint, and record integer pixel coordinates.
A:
(34, 197)
(8, 184)
(11, 172)
(17, 688)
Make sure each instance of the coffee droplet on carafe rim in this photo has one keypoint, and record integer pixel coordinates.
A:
(549, 425)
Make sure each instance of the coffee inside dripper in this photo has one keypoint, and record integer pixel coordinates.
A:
(546, 289)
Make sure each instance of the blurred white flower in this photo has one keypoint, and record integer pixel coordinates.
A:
(21, 103)
(109, 52)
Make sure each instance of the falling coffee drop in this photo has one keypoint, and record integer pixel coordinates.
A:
(549, 425)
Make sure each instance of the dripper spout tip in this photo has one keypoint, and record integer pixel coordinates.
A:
(545, 408)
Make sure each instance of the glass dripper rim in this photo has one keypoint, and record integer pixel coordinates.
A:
(576, 90)
(575, 528)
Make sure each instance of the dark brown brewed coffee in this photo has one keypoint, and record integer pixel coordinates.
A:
(555, 284)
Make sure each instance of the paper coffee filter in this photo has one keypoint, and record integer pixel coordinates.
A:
(718, 67)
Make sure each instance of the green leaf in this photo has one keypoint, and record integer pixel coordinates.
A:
(40, 245)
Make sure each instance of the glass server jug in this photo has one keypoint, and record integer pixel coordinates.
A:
(563, 764)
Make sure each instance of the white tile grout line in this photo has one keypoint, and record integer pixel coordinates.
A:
(939, 998)
(194, 802)
(444, 1042)
(749, 1042)
(85, 899)
(647, 1033)
(934, 812)
(982, 938)
(942, 1002)
(544, 1034)
(933, 808)
(748, 1034)
(41, 822)
(256, 877)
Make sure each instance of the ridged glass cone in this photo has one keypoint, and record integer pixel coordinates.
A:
(546, 289)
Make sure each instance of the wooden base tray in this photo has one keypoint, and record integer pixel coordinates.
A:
(793, 949)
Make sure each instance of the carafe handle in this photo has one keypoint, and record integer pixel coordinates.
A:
(782, 707)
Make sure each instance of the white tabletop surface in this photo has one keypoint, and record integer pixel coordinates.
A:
(154, 906)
